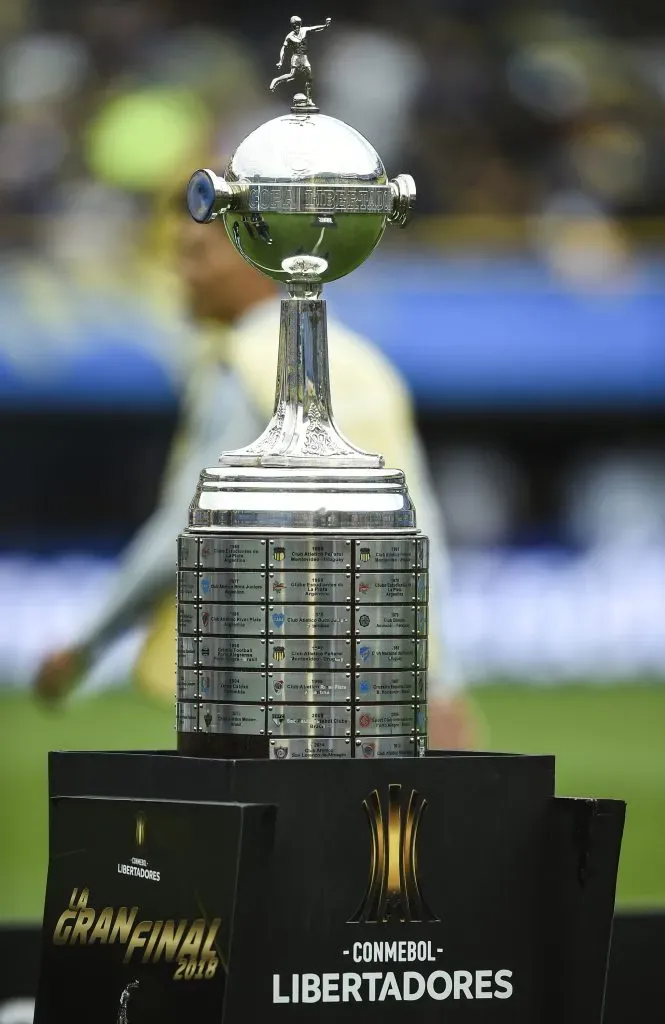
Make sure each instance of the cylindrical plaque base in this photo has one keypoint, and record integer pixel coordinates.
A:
(302, 645)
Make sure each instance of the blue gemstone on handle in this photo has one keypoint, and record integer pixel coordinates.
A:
(201, 196)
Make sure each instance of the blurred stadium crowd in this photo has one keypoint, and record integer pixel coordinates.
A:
(498, 108)
(536, 134)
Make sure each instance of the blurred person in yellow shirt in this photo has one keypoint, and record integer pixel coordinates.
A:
(228, 402)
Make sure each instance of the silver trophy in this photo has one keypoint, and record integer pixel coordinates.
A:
(303, 582)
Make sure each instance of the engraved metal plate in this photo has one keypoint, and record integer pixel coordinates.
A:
(388, 686)
(386, 555)
(187, 684)
(249, 687)
(422, 586)
(239, 719)
(421, 685)
(309, 620)
(232, 586)
(385, 587)
(423, 552)
(188, 585)
(187, 717)
(326, 587)
(421, 619)
(385, 746)
(421, 653)
(187, 652)
(385, 620)
(288, 198)
(309, 687)
(310, 720)
(188, 618)
(310, 553)
(232, 552)
(421, 718)
(386, 653)
(188, 551)
(232, 619)
(385, 719)
(315, 654)
(228, 652)
(309, 749)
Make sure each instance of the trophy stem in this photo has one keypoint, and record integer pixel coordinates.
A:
(302, 432)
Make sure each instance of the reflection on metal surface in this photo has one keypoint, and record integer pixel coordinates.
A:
(244, 686)
(309, 749)
(385, 720)
(385, 620)
(316, 654)
(310, 553)
(309, 620)
(187, 716)
(226, 652)
(309, 687)
(232, 586)
(231, 619)
(234, 719)
(232, 552)
(187, 684)
(385, 746)
(323, 587)
(392, 555)
(386, 653)
(384, 588)
(389, 686)
(309, 720)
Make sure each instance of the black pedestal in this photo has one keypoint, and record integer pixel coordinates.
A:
(451, 887)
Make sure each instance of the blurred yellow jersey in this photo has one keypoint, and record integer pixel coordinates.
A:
(373, 410)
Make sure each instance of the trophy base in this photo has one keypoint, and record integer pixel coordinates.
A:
(234, 891)
(301, 645)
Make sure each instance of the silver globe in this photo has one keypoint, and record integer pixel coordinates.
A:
(301, 151)
(303, 185)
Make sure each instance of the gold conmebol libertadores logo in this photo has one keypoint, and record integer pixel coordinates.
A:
(393, 891)
(140, 829)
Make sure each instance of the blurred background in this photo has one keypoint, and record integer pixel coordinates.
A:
(525, 306)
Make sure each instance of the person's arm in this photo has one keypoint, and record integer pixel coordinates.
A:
(221, 418)
(318, 28)
(282, 53)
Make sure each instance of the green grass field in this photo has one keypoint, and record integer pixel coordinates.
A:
(608, 741)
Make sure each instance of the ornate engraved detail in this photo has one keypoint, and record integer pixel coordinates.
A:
(321, 437)
(267, 443)
(326, 199)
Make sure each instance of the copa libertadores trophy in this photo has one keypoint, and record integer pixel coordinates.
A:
(303, 583)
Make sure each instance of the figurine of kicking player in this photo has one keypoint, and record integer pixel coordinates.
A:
(296, 40)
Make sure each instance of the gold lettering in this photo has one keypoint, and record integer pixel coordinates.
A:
(62, 929)
(207, 950)
(152, 940)
(122, 925)
(137, 939)
(169, 940)
(102, 927)
(82, 926)
(79, 901)
(191, 944)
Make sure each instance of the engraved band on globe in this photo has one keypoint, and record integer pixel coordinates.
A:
(303, 577)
